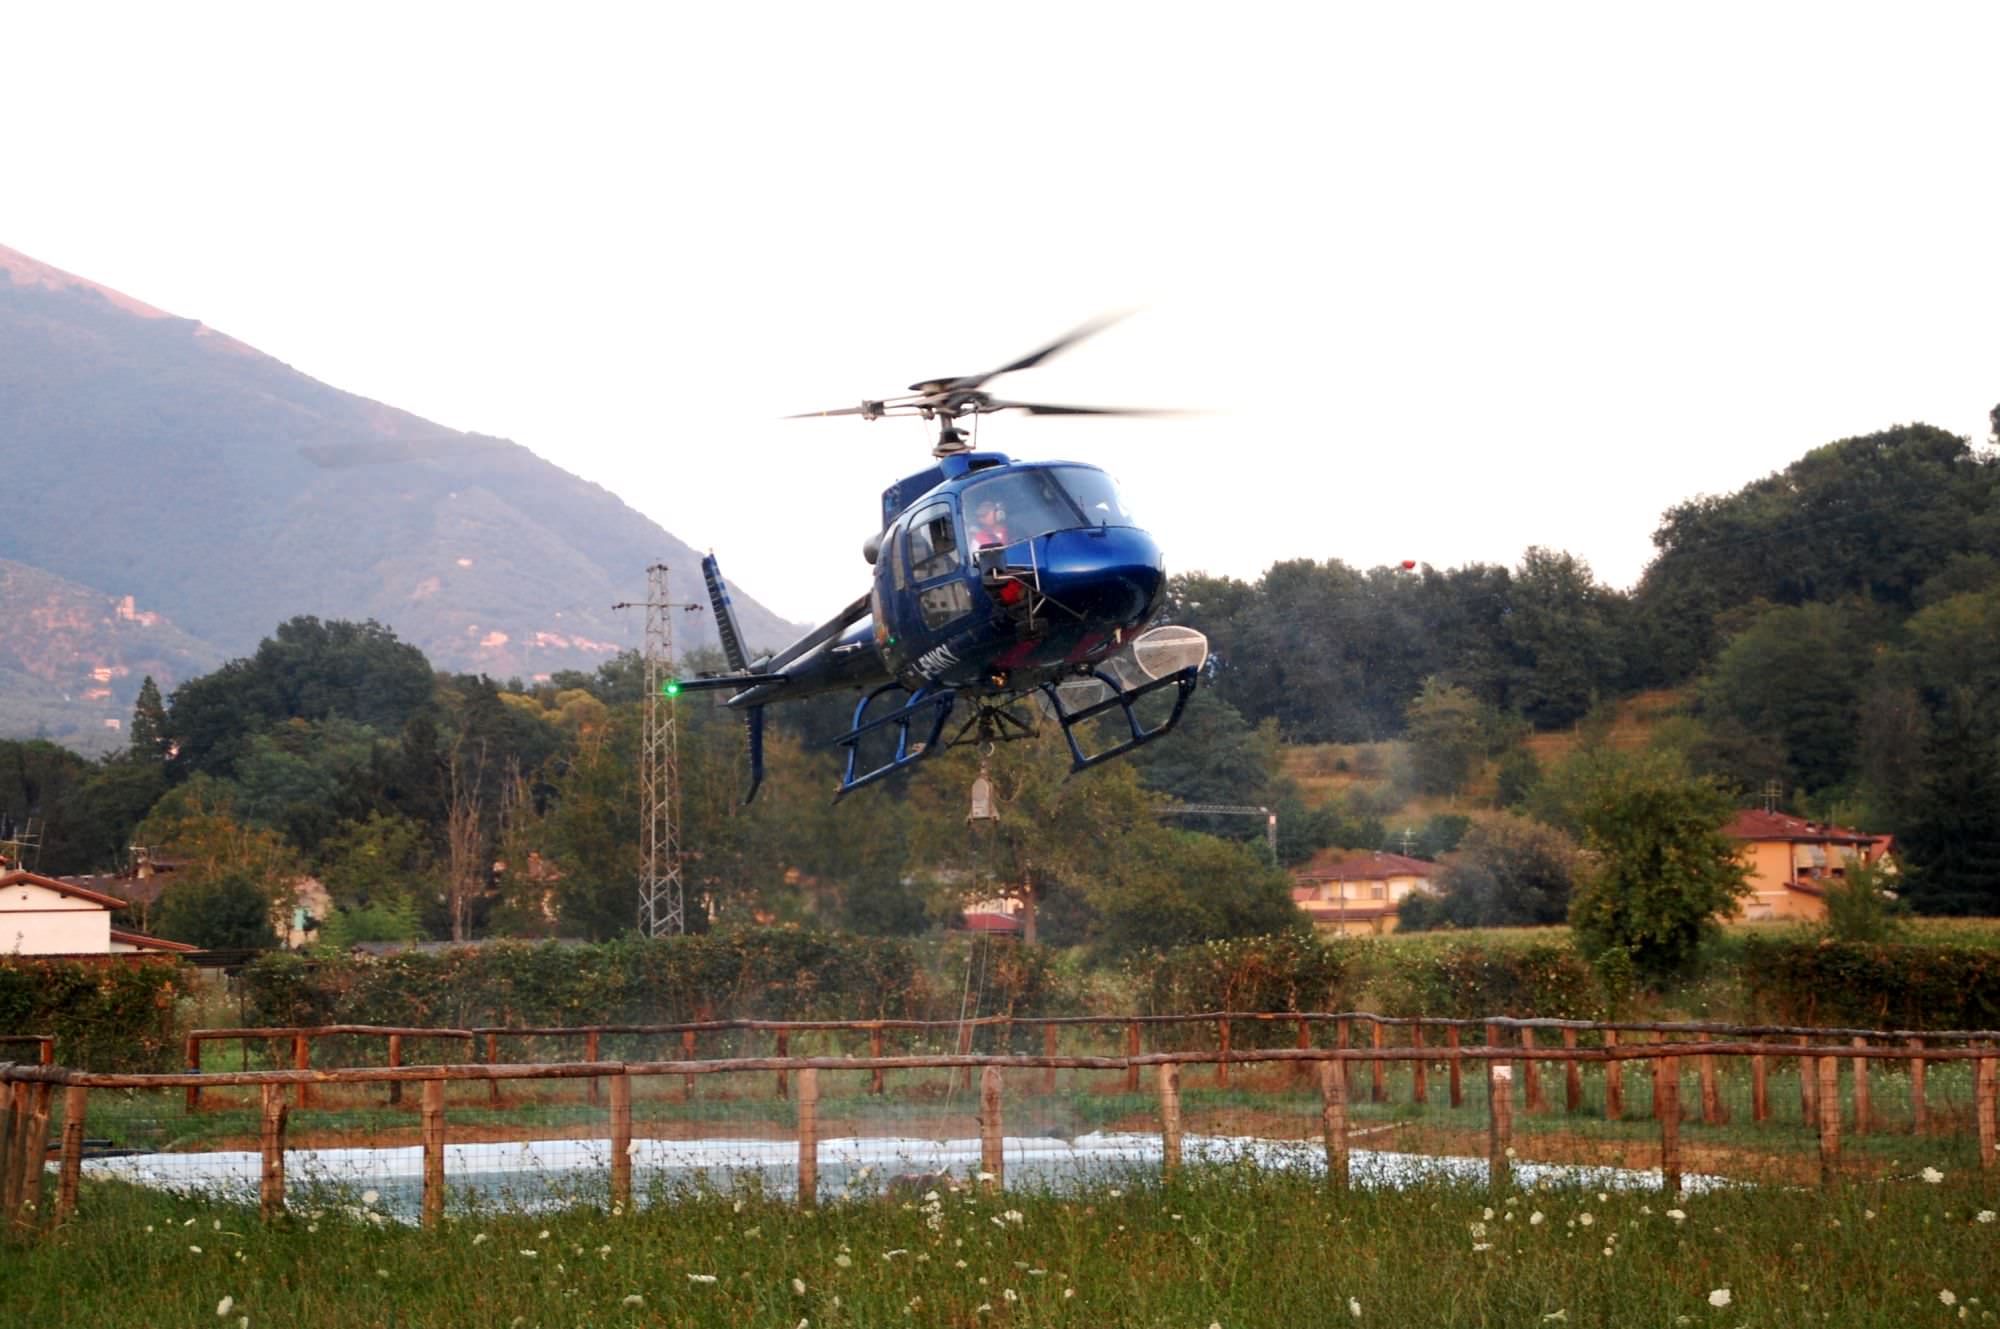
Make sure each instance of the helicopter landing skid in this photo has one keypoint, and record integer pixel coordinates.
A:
(1120, 699)
(927, 705)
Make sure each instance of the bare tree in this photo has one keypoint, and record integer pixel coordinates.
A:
(465, 839)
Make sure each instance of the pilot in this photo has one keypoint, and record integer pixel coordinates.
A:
(989, 523)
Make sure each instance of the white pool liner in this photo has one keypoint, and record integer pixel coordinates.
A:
(542, 1174)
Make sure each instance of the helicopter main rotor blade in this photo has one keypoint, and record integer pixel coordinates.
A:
(1050, 408)
(1028, 361)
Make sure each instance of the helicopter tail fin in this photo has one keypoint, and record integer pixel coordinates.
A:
(726, 629)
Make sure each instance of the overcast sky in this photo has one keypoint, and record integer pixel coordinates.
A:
(1447, 280)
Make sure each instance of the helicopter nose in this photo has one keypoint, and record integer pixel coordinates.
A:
(1109, 573)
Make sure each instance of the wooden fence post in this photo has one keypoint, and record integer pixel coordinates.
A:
(1377, 1092)
(1531, 1072)
(492, 1059)
(1712, 1113)
(271, 1144)
(1919, 1111)
(1760, 1088)
(965, 1050)
(302, 1061)
(875, 1050)
(395, 1059)
(1169, 1080)
(590, 1046)
(13, 1132)
(784, 1050)
(194, 1068)
(1808, 1085)
(992, 1156)
(433, 1122)
(808, 1106)
(1343, 1036)
(687, 1054)
(1333, 1122)
(1222, 1062)
(621, 1142)
(76, 1100)
(1572, 1076)
(1132, 1050)
(1420, 1089)
(1984, 1094)
(1861, 1077)
(1457, 1066)
(35, 1154)
(1050, 1045)
(1303, 1070)
(1828, 1074)
(1667, 1107)
(1614, 1081)
(1500, 1122)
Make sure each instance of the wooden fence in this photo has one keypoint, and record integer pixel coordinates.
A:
(29, 1091)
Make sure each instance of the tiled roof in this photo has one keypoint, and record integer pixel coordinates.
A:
(61, 888)
(1377, 866)
(986, 922)
(145, 942)
(1757, 824)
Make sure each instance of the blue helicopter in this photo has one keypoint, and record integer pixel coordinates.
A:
(995, 582)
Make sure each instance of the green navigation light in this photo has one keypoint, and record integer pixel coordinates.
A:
(671, 687)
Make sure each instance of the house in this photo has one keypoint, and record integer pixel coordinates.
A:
(43, 916)
(1358, 894)
(1791, 861)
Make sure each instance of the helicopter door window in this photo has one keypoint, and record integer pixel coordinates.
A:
(942, 603)
(933, 545)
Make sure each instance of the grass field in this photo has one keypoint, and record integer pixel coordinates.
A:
(1227, 1246)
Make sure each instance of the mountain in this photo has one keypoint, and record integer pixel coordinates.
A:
(155, 463)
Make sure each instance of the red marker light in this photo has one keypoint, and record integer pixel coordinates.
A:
(1010, 592)
(1409, 564)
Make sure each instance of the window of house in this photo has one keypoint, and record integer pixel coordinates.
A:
(1375, 890)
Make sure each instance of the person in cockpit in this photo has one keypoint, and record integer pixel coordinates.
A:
(989, 523)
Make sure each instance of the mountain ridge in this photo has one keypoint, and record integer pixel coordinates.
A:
(226, 492)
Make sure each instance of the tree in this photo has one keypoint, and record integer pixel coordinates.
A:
(1663, 871)
(1509, 872)
(1953, 838)
(149, 723)
(1446, 736)
(225, 910)
(1795, 674)
(1562, 637)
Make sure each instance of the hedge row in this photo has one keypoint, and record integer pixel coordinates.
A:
(111, 1017)
(1890, 986)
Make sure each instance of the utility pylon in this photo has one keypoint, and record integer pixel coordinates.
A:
(662, 908)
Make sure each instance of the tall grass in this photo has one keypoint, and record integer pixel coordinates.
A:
(1228, 1245)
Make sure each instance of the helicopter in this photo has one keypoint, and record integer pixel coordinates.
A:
(994, 582)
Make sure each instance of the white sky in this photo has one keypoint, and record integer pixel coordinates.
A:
(1450, 279)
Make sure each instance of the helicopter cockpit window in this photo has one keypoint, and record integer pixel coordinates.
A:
(1016, 506)
(1096, 494)
(933, 544)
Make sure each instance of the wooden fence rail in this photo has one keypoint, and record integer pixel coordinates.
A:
(25, 1100)
(1495, 1030)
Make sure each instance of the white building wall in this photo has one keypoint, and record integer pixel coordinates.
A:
(37, 921)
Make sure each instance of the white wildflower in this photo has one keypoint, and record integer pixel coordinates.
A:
(1933, 1176)
(1586, 1219)
(982, 1308)
(369, 1198)
(1068, 1292)
(1719, 1298)
(1015, 1217)
(701, 1278)
(1948, 1297)
(1984, 1216)
(1009, 1294)
(194, 1250)
(1676, 1214)
(1478, 1246)
(890, 1255)
(798, 1287)
(633, 1300)
(1556, 1317)
(1354, 1307)
(479, 1239)
(223, 1307)
(843, 1259)
(603, 1252)
(1535, 1219)
(529, 1255)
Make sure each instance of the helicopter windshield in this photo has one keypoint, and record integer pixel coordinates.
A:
(1022, 504)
